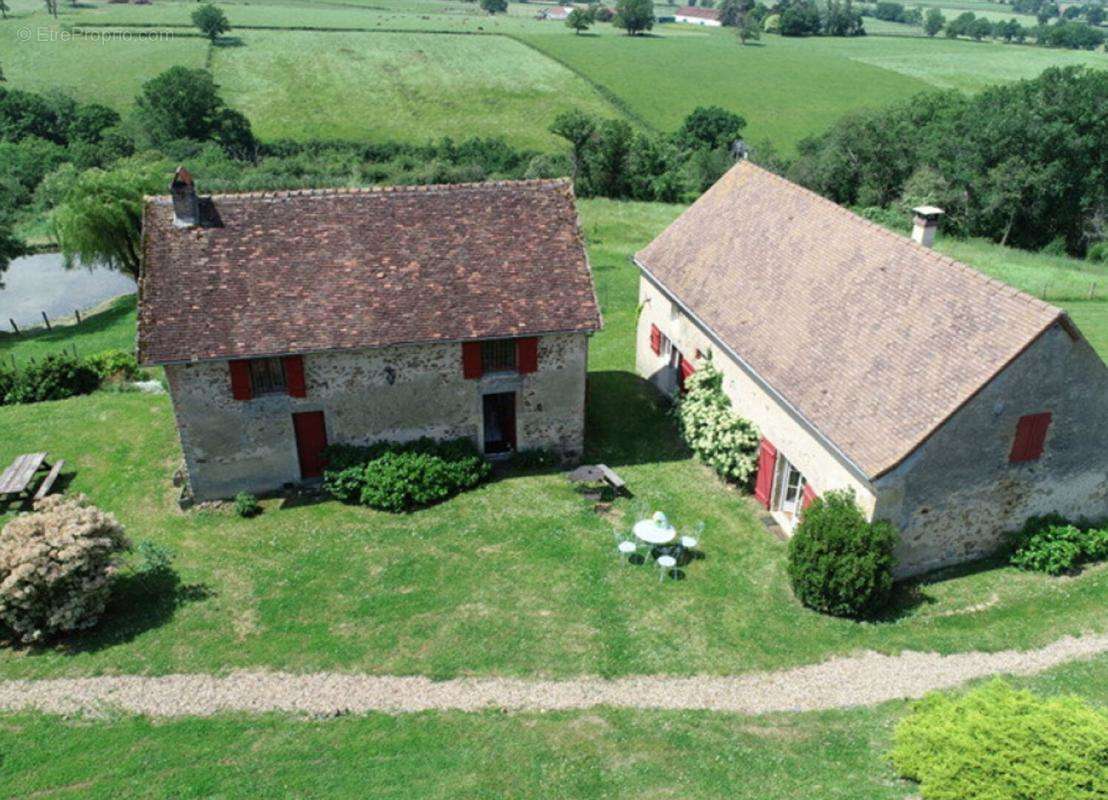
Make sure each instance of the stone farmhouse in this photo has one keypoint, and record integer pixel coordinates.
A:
(953, 405)
(289, 320)
(698, 16)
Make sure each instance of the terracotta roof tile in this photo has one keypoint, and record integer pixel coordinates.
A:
(316, 270)
(873, 338)
(693, 11)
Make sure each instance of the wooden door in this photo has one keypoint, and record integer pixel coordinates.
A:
(311, 438)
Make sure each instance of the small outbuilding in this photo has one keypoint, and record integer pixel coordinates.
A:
(952, 404)
(698, 16)
(290, 320)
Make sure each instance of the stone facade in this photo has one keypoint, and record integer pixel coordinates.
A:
(397, 393)
(953, 497)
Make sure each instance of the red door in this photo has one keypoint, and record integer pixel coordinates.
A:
(311, 438)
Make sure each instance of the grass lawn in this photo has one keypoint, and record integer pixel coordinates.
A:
(399, 86)
(603, 752)
(518, 577)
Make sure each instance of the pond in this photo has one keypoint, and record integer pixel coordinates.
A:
(41, 282)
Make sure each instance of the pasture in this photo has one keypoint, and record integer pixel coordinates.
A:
(418, 69)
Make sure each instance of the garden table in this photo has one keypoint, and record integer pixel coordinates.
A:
(656, 530)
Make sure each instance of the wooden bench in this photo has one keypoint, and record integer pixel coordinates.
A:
(48, 481)
(20, 472)
(613, 480)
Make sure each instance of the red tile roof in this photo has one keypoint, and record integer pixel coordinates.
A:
(316, 270)
(693, 11)
(872, 338)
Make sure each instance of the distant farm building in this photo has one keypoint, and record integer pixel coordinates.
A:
(698, 16)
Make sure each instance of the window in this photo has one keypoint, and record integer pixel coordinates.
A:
(267, 376)
(498, 356)
(1030, 437)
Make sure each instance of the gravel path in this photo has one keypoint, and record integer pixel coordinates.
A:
(865, 679)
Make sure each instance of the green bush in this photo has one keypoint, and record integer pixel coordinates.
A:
(713, 431)
(246, 505)
(995, 742)
(111, 364)
(839, 563)
(1052, 545)
(403, 477)
(1098, 253)
(56, 377)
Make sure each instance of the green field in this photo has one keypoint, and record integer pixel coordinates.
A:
(377, 85)
(515, 578)
(398, 86)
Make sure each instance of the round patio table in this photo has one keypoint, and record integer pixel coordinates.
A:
(655, 531)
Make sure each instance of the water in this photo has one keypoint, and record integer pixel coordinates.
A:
(38, 283)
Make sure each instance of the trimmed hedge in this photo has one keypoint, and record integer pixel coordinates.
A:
(403, 477)
(1053, 545)
(840, 564)
(996, 742)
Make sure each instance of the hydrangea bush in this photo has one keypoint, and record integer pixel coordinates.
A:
(56, 567)
(713, 431)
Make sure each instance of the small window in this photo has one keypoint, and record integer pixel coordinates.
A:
(267, 376)
(498, 356)
(666, 347)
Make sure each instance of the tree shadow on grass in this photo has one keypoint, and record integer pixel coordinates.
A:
(140, 601)
(229, 41)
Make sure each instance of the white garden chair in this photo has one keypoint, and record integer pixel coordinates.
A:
(665, 564)
(625, 547)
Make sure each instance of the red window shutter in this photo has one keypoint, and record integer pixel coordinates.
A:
(471, 360)
(294, 376)
(687, 369)
(241, 387)
(809, 496)
(527, 354)
(767, 464)
(655, 340)
(1030, 437)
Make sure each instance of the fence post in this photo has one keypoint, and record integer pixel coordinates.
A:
(14, 328)
(47, 321)
(77, 314)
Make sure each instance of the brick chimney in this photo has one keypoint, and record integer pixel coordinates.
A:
(186, 205)
(925, 224)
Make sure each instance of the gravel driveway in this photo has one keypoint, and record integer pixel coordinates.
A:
(839, 683)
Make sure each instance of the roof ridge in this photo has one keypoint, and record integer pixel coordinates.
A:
(406, 188)
(927, 251)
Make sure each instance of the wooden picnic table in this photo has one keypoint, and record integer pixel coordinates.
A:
(18, 476)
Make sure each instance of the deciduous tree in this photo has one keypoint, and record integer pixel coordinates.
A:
(579, 20)
(634, 16)
(933, 22)
(211, 21)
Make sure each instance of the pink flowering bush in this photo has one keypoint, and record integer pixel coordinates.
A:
(56, 567)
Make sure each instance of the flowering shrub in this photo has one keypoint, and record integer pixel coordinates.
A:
(56, 567)
(717, 435)
(1050, 544)
(997, 742)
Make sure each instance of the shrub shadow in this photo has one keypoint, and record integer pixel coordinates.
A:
(140, 601)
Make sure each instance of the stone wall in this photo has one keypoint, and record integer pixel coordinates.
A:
(822, 468)
(955, 497)
(231, 446)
